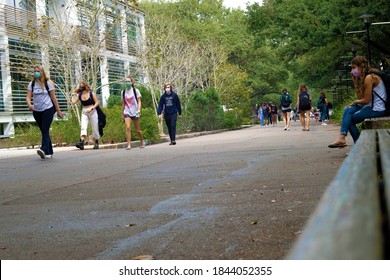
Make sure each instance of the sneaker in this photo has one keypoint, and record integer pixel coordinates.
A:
(323, 123)
(288, 128)
(285, 128)
(49, 156)
(80, 145)
(96, 146)
(41, 154)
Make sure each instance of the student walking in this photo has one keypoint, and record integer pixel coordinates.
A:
(322, 105)
(89, 113)
(304, 106)
(285, 106)
(131, 108)
(170, 104)
(41, 91)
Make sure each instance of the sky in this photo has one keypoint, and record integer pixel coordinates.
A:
(239, 3)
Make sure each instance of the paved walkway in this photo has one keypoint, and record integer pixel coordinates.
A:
(243, 194)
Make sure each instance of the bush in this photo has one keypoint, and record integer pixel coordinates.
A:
(231, 120)
(205, 111)
(65, 131)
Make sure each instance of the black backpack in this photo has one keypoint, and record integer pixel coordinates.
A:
(304, 101)
(135, 95)
(285, 100)
(386, 80)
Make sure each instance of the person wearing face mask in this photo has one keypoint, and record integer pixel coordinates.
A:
(170, 104)
(131, 108)
(89, 114)
(367, 104)
(42, 91)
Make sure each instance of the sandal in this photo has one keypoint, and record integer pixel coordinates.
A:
(338, 144)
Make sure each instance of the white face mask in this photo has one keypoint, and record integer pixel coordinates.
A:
(168, 90)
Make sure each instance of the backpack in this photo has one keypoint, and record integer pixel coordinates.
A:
(386, 80)
(320, 103)
(285, 100)
(304, 101)
(135, 95)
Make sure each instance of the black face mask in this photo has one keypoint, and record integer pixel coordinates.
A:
(81, 89)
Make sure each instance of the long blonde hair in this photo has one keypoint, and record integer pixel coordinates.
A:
(43, 75)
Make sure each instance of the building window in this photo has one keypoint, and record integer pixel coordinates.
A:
(28, 5)
(23, 56)
(113, 31)
(116, 74)
(1, 83)
(132, 39)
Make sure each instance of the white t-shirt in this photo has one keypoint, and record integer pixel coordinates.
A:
(42, 99)
(379, 105)
(131, 105)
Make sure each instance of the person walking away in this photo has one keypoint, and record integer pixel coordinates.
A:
(41, 92)
(371, 97)
(304, 106)
(274, 113)
(285, 106)
(170, 104)
(89, 114)
(131, 108)
(261, 116)
(322, 106)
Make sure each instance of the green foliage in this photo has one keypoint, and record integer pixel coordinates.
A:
(114, 100)
(65, 131)
(149, 125)
(231, 119)
(27, 134)
(205, 110)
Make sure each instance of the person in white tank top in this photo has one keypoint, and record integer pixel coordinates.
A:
(367, 104)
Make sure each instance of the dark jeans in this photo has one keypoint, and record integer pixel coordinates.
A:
(44, 120)
(170, 120)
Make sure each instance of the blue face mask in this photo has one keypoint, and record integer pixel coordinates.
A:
(128, 84)
(37, 75)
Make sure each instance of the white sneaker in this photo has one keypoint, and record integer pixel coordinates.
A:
(288, 128)
(323, 123)
(285, 128)
(41, 154)
(49, 156)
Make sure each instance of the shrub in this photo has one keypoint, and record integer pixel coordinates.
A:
(205, 111)
(231, 120)
(65, 131)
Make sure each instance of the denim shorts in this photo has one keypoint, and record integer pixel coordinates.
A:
(134, 118)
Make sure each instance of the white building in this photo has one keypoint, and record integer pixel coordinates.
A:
(117, 45)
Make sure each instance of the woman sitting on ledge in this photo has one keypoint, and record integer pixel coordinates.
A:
(367, 105)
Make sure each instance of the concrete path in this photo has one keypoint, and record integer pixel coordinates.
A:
(243, 194)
